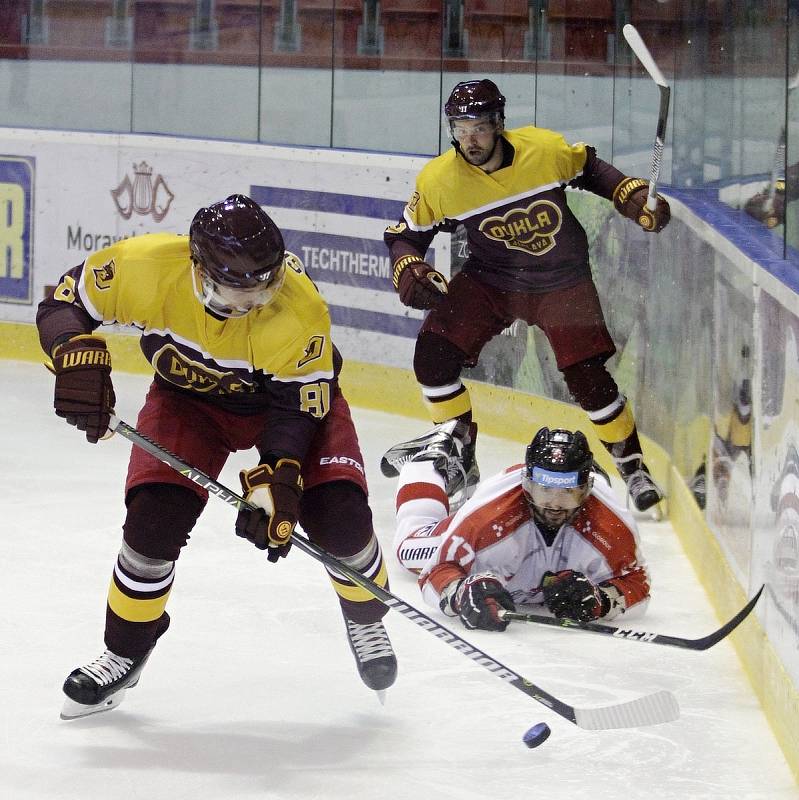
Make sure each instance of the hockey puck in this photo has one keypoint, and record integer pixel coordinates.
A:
(538, 734)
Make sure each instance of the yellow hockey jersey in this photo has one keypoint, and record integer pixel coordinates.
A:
(520, 231)
(278, 356)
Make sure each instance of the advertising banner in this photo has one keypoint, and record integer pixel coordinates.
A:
(17, 180)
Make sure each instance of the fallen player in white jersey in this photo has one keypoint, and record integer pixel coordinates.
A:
(542, 532)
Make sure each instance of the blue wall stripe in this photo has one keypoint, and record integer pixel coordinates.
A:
(762, 245)
(375, 321)
(330, 202)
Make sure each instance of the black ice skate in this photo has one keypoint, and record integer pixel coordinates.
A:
(100, 685)
(451, 448)
(641, 486)
(377, 664)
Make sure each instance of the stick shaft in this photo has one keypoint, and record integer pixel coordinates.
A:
(632, 635)
(645, 57)
(657, 149)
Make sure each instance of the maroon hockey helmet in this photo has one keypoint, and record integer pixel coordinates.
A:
(473, 99)
(236, 243)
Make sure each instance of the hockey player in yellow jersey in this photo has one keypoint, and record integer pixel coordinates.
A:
(239, 341)
(528, 259)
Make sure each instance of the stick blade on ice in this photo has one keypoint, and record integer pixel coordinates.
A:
(652, 709)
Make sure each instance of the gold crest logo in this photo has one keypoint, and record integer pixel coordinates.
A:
(313, 350)
(530, 229)
(104, 275)
(180, 370)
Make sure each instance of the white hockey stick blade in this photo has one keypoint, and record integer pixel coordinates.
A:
(644, 56)
(649, 710)
(794, 83)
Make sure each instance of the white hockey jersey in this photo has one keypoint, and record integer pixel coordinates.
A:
(494, 531)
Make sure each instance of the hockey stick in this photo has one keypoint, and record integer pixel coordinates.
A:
(651, 709)
(645, 57)
(641, 636)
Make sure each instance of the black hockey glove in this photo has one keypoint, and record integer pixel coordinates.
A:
(571, 595)
(84, 394)
(767, 209)
(478, 601)
(630, 198)
(419, 285)
(276, 493)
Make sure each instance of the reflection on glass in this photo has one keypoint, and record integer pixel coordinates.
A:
(371, 74)
(792, 135)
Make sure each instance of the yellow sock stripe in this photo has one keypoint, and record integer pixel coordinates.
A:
(618, 429)
(441, 411)
(356, 593)
(134, 610)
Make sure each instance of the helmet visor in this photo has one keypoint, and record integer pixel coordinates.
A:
(555, 499)
(231, 301)
(556, 495)
(466, 127)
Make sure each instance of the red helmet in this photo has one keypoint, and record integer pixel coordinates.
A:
(236, 243)
(472, 99)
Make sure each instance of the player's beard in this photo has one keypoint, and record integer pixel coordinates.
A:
(477, 156)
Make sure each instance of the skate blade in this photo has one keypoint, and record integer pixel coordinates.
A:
(381, 696)
(655, 513)
(660, 510)
(388, 469)
(73, 710)
(460, 497)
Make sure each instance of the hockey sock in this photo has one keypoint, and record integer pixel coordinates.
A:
(437, 365)
(444, 403)
(157, 525)
(615, 426)
(323, 509)
(594, 388)
(357, 603)
(136, 612)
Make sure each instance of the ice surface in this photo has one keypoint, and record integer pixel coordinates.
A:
(254, 693)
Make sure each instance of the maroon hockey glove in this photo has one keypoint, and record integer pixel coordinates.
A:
(419, 285)
(630, 197)
(276, 493)
(769, 211)
(478, 601)
(571, 595)
(84, 395)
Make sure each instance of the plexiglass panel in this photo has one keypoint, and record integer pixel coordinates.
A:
(373, 74)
